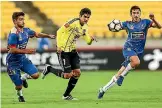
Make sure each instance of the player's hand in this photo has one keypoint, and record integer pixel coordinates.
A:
(52, 36)
(94, 38)
(152, 17)
(31, 51)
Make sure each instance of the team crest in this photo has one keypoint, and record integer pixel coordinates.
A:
(131, 27)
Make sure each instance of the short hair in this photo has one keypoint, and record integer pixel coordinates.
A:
(15, 15)
(85, 11)
(134, 7)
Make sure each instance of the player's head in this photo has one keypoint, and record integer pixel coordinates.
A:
(135, 13)
(18, 19)
(84, 15)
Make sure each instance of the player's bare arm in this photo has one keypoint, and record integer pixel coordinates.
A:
(43, 35)
(15, 50)
(155, 24)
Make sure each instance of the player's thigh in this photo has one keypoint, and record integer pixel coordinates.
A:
(64, 60)
(15, 76)
(29, 68)
(75, 61)
(127, 54)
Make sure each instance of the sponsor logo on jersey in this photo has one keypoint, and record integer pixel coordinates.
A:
(137, 35)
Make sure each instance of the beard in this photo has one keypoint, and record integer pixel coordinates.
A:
(20, 25)
(136, 19)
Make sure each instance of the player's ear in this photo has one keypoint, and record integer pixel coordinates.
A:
(14, 20)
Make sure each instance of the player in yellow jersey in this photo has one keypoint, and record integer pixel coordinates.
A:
(66, 50)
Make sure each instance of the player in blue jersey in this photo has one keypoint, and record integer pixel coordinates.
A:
(16, 60)
(133, 47)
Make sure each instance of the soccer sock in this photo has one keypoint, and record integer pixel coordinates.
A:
(57, 72)
(71, 85)
(125, 72)
(25, 76)
(19, 93)
(110, 84)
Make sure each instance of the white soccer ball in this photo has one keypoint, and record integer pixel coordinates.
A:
(115, 25)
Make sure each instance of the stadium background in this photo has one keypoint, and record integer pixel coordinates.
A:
(49, 16)
(106, 54)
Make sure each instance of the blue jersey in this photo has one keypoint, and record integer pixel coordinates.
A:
(18, 39)
(137, 33)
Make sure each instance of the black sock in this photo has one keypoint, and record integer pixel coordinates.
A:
(71, 85)
(57, 72)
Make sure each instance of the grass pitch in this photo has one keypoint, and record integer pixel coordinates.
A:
(140, 89)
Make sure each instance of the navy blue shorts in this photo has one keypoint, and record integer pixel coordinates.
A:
(127, 53)
(15, 71)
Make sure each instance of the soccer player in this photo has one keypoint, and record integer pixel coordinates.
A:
(68, 57)
(16, 60)
(134, 45)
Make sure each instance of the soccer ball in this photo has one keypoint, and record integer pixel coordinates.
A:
(115, 25)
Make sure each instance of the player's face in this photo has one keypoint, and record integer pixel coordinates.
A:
(20, 21)
(136, 15)
(84, 18)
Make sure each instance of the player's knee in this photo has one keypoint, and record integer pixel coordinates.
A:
(76, 73)
(136, 63)
(67, 75)
(35, 76)
(18, 87)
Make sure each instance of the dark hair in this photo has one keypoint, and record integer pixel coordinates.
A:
(85, 11)
(134, 7)
(15, 15)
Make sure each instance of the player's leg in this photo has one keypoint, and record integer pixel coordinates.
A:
(75, 65)
(23, 78)
(110, 84)
(127, 53)
(132, 62)
(31, 72)
(15, 77)
(65, 72)
(118, 78)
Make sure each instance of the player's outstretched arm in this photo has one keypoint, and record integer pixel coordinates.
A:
(155, 24)
(89, 39)
(21, 51)
(43, 35)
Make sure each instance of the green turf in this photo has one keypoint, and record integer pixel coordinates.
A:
(140, 90)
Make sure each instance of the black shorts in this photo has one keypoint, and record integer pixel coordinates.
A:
(69, 60)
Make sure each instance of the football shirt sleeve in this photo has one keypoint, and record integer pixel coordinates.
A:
(31, 33)
(86, 36)
(12, 40)
(148, 23)
(124, 25)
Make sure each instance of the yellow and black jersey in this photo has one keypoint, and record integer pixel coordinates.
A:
(68, 34)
